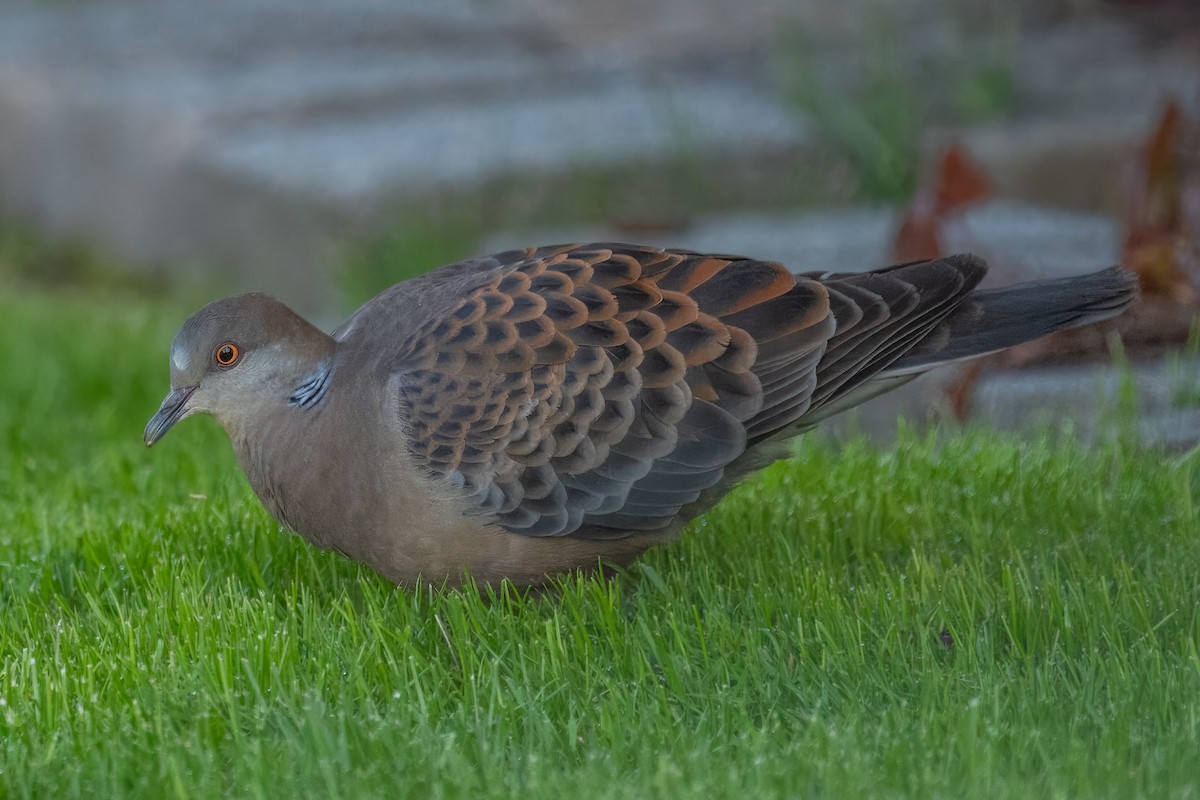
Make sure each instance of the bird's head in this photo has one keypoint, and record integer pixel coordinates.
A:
(232, 358)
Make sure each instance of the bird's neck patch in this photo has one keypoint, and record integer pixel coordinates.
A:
(312, 389)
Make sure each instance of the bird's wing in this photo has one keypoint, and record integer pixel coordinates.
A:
(882, 315)
(598, 389)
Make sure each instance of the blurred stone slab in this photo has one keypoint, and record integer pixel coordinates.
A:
(1080, 400)
(357, 161)
(1167, 410)
(1021, 241)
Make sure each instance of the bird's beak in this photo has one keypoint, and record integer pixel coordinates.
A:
(170, 412)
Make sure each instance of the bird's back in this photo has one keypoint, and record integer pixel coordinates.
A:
(603, 390)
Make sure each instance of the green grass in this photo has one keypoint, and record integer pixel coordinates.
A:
(966, 616)
(874, 109)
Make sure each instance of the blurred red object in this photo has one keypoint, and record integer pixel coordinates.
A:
(1162, 244)
(1162, 208)
(960, 183)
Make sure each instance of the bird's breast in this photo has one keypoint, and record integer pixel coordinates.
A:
(353, 487)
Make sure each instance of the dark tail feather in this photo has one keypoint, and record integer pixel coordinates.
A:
(993, 319)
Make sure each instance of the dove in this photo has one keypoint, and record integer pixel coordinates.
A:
(535, 412)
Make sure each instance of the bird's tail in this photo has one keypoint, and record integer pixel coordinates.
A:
(993, 319)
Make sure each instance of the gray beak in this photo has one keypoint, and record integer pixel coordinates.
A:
(169, 412)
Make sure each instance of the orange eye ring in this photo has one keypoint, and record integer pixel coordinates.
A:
(226, 355)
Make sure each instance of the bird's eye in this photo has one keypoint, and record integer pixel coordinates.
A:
(226, 355)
